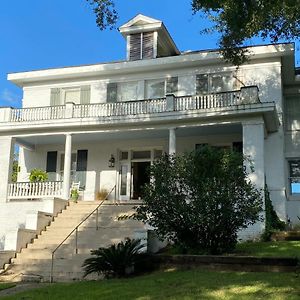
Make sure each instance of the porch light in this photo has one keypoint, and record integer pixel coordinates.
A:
(111, 161)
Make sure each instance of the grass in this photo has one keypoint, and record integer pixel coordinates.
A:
(270, 249)
(183, 285)
(4, 286)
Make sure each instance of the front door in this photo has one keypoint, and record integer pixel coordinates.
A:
(140, 176)
(125, 179)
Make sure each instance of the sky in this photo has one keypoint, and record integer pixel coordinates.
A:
(41, 34)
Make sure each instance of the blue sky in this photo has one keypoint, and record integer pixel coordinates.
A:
(38, 34)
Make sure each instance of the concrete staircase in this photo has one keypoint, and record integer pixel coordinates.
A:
(34, 262)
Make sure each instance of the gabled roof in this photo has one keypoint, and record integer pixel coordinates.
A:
(140, 20)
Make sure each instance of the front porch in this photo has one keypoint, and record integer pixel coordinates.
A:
(101, 160)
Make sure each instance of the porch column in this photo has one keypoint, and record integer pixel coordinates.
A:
(67, 167)
(172, 141)
(7, 144)
(253, 148)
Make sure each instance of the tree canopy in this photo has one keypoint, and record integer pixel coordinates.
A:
(236, 21)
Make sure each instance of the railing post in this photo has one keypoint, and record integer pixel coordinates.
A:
(170, 102)
(69, 110)
(52, 266)
(97, 220)
(76, 241)
(249, 94)
(5, 114)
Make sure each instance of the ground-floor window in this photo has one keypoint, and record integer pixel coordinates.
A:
(294, 178)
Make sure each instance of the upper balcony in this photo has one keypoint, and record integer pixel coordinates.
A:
(170, 108)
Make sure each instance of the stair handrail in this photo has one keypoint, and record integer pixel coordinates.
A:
(76, 232)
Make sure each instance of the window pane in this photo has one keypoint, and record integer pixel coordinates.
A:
(124, 155)
(292, 108)
(72, 96)
(294, 176)
(155, 89)
(141, 154)
(127, 91)
(202, 84)
(124, 170)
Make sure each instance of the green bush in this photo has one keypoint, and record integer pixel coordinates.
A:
(272, 222)
(200, 200)
(38, 175)
(117, 260)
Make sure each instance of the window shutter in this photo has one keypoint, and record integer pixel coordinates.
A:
(135, 47)
(55, 97)
(85, 94)
(112, 92)
(51, 161)
(81, 167)
(148, 44)
(82, 160)
(201, 84)
(172, 85)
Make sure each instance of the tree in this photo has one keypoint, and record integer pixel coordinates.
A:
(106, 15)
(200, 200)
(240, 20)
(236, 21)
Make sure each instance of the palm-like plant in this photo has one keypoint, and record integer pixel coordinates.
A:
(115, 261)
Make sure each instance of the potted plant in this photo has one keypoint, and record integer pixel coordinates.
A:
(74, 194)
(101, 195)
(38, 175)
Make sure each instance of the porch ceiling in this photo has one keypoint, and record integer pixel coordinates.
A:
(89, 137)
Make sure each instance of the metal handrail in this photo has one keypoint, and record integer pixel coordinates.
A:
(76, 233)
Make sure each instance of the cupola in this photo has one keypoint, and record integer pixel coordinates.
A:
(147, 38)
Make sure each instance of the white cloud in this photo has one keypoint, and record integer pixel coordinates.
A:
(8, 97)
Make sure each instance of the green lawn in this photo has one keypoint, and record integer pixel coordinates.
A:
(181, 285)
(4, 286)
(270, 249)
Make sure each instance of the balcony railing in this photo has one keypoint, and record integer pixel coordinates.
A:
(170, 103)
(34, 190)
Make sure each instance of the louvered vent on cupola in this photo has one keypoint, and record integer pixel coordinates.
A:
(141, 46)
(147, 38)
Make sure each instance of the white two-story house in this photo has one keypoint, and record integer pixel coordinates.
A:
(103, 125)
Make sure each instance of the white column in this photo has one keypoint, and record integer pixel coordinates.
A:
(172, 141)
(7, 144)
(253, 148)
(67, 167)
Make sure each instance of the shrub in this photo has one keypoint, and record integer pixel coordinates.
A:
(200, 200)
(117, 260)
(272, 222)
(101, 194)
(38, 175)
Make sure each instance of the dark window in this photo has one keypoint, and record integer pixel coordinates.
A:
(237, 146)
(112, 92)
(51, 161)
(172, 85)
(81, 167)
(201, 84)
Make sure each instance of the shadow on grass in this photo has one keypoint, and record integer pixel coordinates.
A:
(193, 284)
(270, 249)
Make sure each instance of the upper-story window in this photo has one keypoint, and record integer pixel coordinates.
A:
(123, 91)
(158, 88)
(292, 117)
(215, 83)
(77, 95)
(130, 91)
